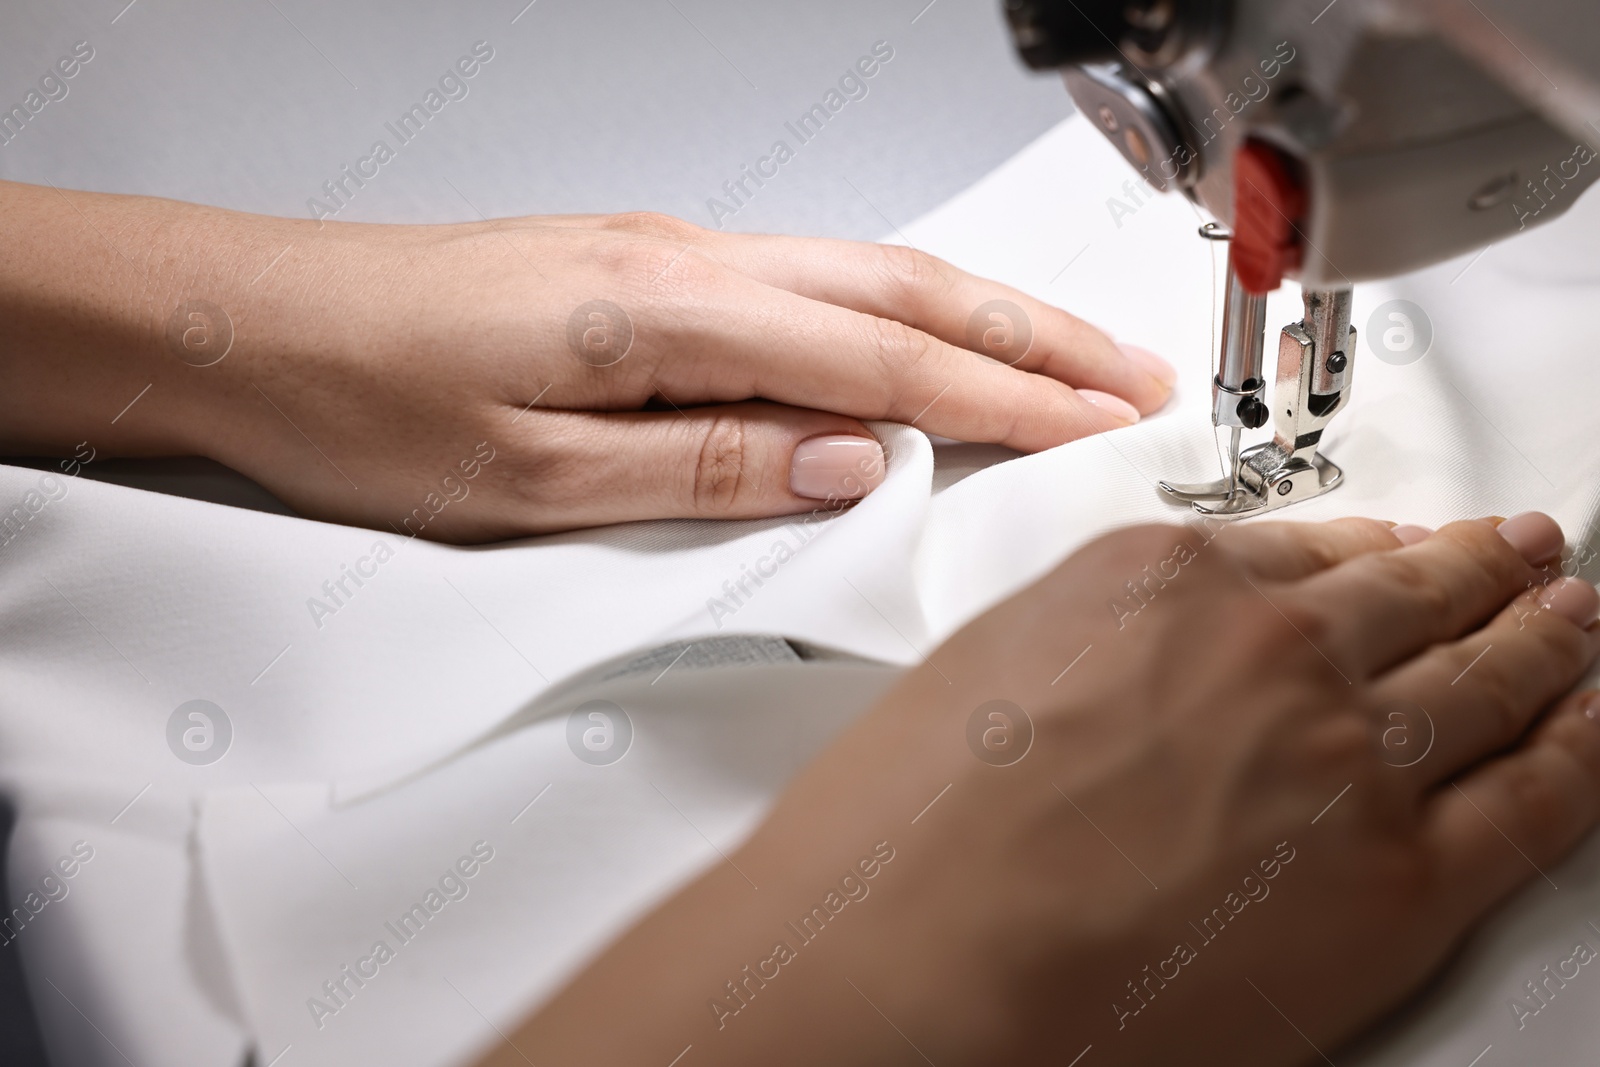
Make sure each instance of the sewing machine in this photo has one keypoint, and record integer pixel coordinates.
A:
(1339, 141)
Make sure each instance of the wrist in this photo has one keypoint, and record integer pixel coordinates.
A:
(88, 284)
(722, 966)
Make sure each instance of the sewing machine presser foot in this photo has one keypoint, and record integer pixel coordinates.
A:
(1316, 365)
(1251, 492)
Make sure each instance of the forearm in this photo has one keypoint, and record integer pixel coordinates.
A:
(354, 370)
(842, 933)
(706, 970)
(100, 296)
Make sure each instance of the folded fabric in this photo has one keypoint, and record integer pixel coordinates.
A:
(276, 764)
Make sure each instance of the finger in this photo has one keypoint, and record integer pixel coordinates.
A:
(1516, 816)
(1411, 534)
(1288, 551)
(745, 339)
(922, 291)
(1481, 693)
(1384, 607)
(732, 461)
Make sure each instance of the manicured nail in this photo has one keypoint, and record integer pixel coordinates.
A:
(836, 467)
(1114, 406)
(1151, 364)
(1410, 535)
(1534, 535)
(1573, 599)
(1589, 704)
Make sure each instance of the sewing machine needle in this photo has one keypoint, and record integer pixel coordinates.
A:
(1233, 460)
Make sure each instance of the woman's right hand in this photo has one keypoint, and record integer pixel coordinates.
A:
(1266, 779)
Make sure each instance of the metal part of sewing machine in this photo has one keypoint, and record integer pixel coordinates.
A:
(1313, 384)
(1341, 142)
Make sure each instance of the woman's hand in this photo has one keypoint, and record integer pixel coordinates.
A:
(1197, 797)
(482, 381)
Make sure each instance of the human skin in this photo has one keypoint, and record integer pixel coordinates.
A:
(1235, 736)
(1237, 725)
(358, 365)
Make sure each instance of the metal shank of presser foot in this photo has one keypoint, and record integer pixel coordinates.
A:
(1315, 371)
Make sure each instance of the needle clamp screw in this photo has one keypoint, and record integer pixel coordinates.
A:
(1252, 412)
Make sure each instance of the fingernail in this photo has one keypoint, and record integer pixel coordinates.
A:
(836, 467)
(1573, 599)
(1410, 535)
(1114, 406)
(1589, 704)
(1151, 364)
(1534, 535)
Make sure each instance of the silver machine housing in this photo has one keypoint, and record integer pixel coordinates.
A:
(1418, 130)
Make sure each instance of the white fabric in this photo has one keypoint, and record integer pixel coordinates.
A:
(373, 751)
